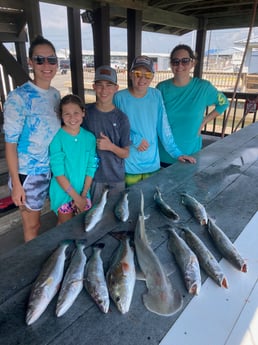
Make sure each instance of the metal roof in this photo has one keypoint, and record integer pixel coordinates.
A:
(172, 17)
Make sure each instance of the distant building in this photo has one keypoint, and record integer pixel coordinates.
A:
(161, 61)
(251, 59)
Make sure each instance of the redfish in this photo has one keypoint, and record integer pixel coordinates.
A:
(121, 276)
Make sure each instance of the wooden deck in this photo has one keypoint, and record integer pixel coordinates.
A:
(224, 180)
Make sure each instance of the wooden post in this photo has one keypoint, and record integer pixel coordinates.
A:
(134, 36)
(75, 45)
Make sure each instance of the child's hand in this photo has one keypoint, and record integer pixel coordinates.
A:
(104, 143)
(80, 204)
(144, 145)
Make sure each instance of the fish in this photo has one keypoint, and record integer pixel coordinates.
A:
(195, 208)
(186, 260)
(47, 283)
(73, 280)
(206, 259)
(122, 208)
(95, 281)
(121, 275)
(226, 247)
(161, 297)
(93, 215)
(164, 207)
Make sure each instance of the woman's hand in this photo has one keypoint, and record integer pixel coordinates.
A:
(18, 195)
(185, 158)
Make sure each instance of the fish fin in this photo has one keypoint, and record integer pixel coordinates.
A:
(140, 275)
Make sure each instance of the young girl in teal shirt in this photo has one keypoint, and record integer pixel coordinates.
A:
(72, 161)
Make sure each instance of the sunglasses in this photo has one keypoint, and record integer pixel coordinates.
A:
(52, 60)
(183, 61)
(146, 75)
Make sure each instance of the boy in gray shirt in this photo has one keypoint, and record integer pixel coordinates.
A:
(112, 130)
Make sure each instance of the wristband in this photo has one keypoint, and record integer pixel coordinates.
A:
(68, 190)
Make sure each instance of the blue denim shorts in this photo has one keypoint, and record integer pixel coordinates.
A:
(36, 190)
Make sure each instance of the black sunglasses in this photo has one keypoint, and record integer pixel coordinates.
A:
(52, 60)
(183, 61)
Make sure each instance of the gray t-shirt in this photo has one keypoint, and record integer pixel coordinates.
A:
(115, 125)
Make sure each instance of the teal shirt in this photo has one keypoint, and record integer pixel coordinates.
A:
(73, 157)
(185, 106)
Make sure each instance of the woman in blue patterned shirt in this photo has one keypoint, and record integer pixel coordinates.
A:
(30, 123)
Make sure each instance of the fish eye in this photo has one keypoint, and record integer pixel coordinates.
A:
(118, 299)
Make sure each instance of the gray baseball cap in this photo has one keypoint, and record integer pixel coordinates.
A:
(143, 61)
(106, 72)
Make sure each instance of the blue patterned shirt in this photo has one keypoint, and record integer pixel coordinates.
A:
(31, 121)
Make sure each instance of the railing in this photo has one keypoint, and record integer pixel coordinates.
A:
(243, 111)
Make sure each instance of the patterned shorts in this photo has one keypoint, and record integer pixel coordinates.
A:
(36, 189)
(70, 207)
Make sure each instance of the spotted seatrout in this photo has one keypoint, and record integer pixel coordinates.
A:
(195, 208)
(94, 214)
(47, 283)
(95, 281)
(73, 280)
(122, 208)
(121, 276)
(206, 259)
(186, 260)
(161, 298)
(164, 207)
(226, 247)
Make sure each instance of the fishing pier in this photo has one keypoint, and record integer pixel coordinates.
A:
(224, 180)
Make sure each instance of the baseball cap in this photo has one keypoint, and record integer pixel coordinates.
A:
(106, 72)
(143, 61)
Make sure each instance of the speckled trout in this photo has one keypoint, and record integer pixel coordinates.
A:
(95, 281)
(226, 247)
(161, 298)
(94, 214)
(206, 259)
(195, 208)
(121, 276)
(47, 283)
(164, 207)
(73, 280)
(122, 208)
(186, 260)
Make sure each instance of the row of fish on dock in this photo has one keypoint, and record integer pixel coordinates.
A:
(118, 282)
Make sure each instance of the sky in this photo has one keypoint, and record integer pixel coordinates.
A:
(57, 32)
